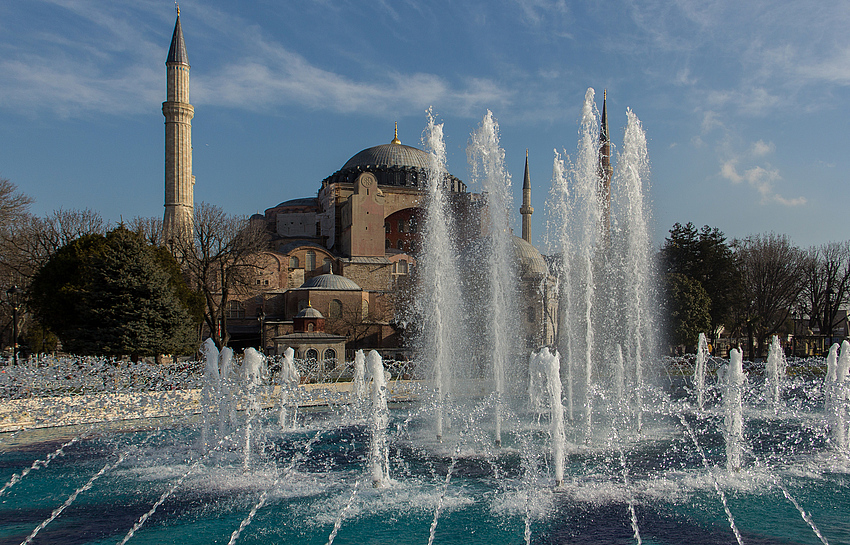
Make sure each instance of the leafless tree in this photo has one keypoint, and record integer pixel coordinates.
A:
(14, 205)
(221, 258)
(826, 286)
(359, 323)
(150, 229)
(772, 273)
(29, 243)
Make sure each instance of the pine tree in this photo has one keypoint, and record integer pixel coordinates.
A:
(112, 296)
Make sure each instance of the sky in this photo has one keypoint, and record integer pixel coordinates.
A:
(744, 104)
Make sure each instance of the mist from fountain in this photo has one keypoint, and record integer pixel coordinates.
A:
(700, 370)
(775, 371)
(289, 380)
(500, 336)
(734, 379)
(442, 310)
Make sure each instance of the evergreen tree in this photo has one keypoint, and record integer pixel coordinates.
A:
(112, 295)
(705, 256)
(686, 309)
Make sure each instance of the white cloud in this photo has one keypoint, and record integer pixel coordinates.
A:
(762, 148)
(761, 178)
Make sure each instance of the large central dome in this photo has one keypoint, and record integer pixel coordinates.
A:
(389, 155)
(393, 164)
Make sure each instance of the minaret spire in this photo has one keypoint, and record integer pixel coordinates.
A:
(526, 209)
(179, 182)
(605, 169)
(395, 139)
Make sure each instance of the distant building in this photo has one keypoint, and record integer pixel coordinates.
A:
(349, 252)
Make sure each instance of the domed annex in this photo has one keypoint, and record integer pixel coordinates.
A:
(529, 260)
(330, 282)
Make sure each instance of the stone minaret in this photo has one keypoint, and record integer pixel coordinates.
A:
(526, 210)
(179, 181)
(605, 169)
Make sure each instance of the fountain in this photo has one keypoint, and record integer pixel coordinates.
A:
(490, 443)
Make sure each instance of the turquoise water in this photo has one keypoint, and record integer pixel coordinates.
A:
(314, 478)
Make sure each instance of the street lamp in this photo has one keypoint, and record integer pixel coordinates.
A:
(794, 333)
(261, 316)
(828, 318)
(13, 294)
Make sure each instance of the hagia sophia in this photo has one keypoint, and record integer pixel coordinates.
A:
(339, 270)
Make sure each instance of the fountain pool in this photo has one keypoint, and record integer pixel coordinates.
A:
(312, 483)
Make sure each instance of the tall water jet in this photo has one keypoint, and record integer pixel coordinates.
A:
(441, 302)
(837, 395)
(551, 365)
(775, 371)
(636, 269)
(733, 396)
(289, 379)
(359, 388)
(210, 393)
(700, 370)
(379, 461)
(558, 242)
(487, 162)
(587, 215)
(227, 399)
(252, 374)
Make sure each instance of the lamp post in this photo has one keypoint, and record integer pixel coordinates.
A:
(13, 295)
(261, 316)
(794, 333)
(827, 322)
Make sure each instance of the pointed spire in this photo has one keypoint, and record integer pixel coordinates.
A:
(526, 209)
(526, 179)
(604, 129)
(395, 139)
(177, 51)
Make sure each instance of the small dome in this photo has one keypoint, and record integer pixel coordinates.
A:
(309, 312)
(530, 261)
(330, 282)
(389, 155)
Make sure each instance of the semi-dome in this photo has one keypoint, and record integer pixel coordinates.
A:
(389, 155)
(330, 282)
(309, 312)
(530, 261)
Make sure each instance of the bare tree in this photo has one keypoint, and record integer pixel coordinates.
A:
(14, 205)
(150, 229)
(30, 241)
(826, 287)
(772, 278)
(221, 259)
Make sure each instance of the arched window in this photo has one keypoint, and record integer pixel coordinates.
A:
(330, 358)
(335, 309)
(401, 226)
(311, 327)
(310, 261)
(402, 266)
(293, 262)
(401, 244)
(387, 227)
(388, 244)
(365, 308)
(412, 224)
(312, 355)
(328, 264)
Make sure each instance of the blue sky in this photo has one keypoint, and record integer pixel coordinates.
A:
(745, 104)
